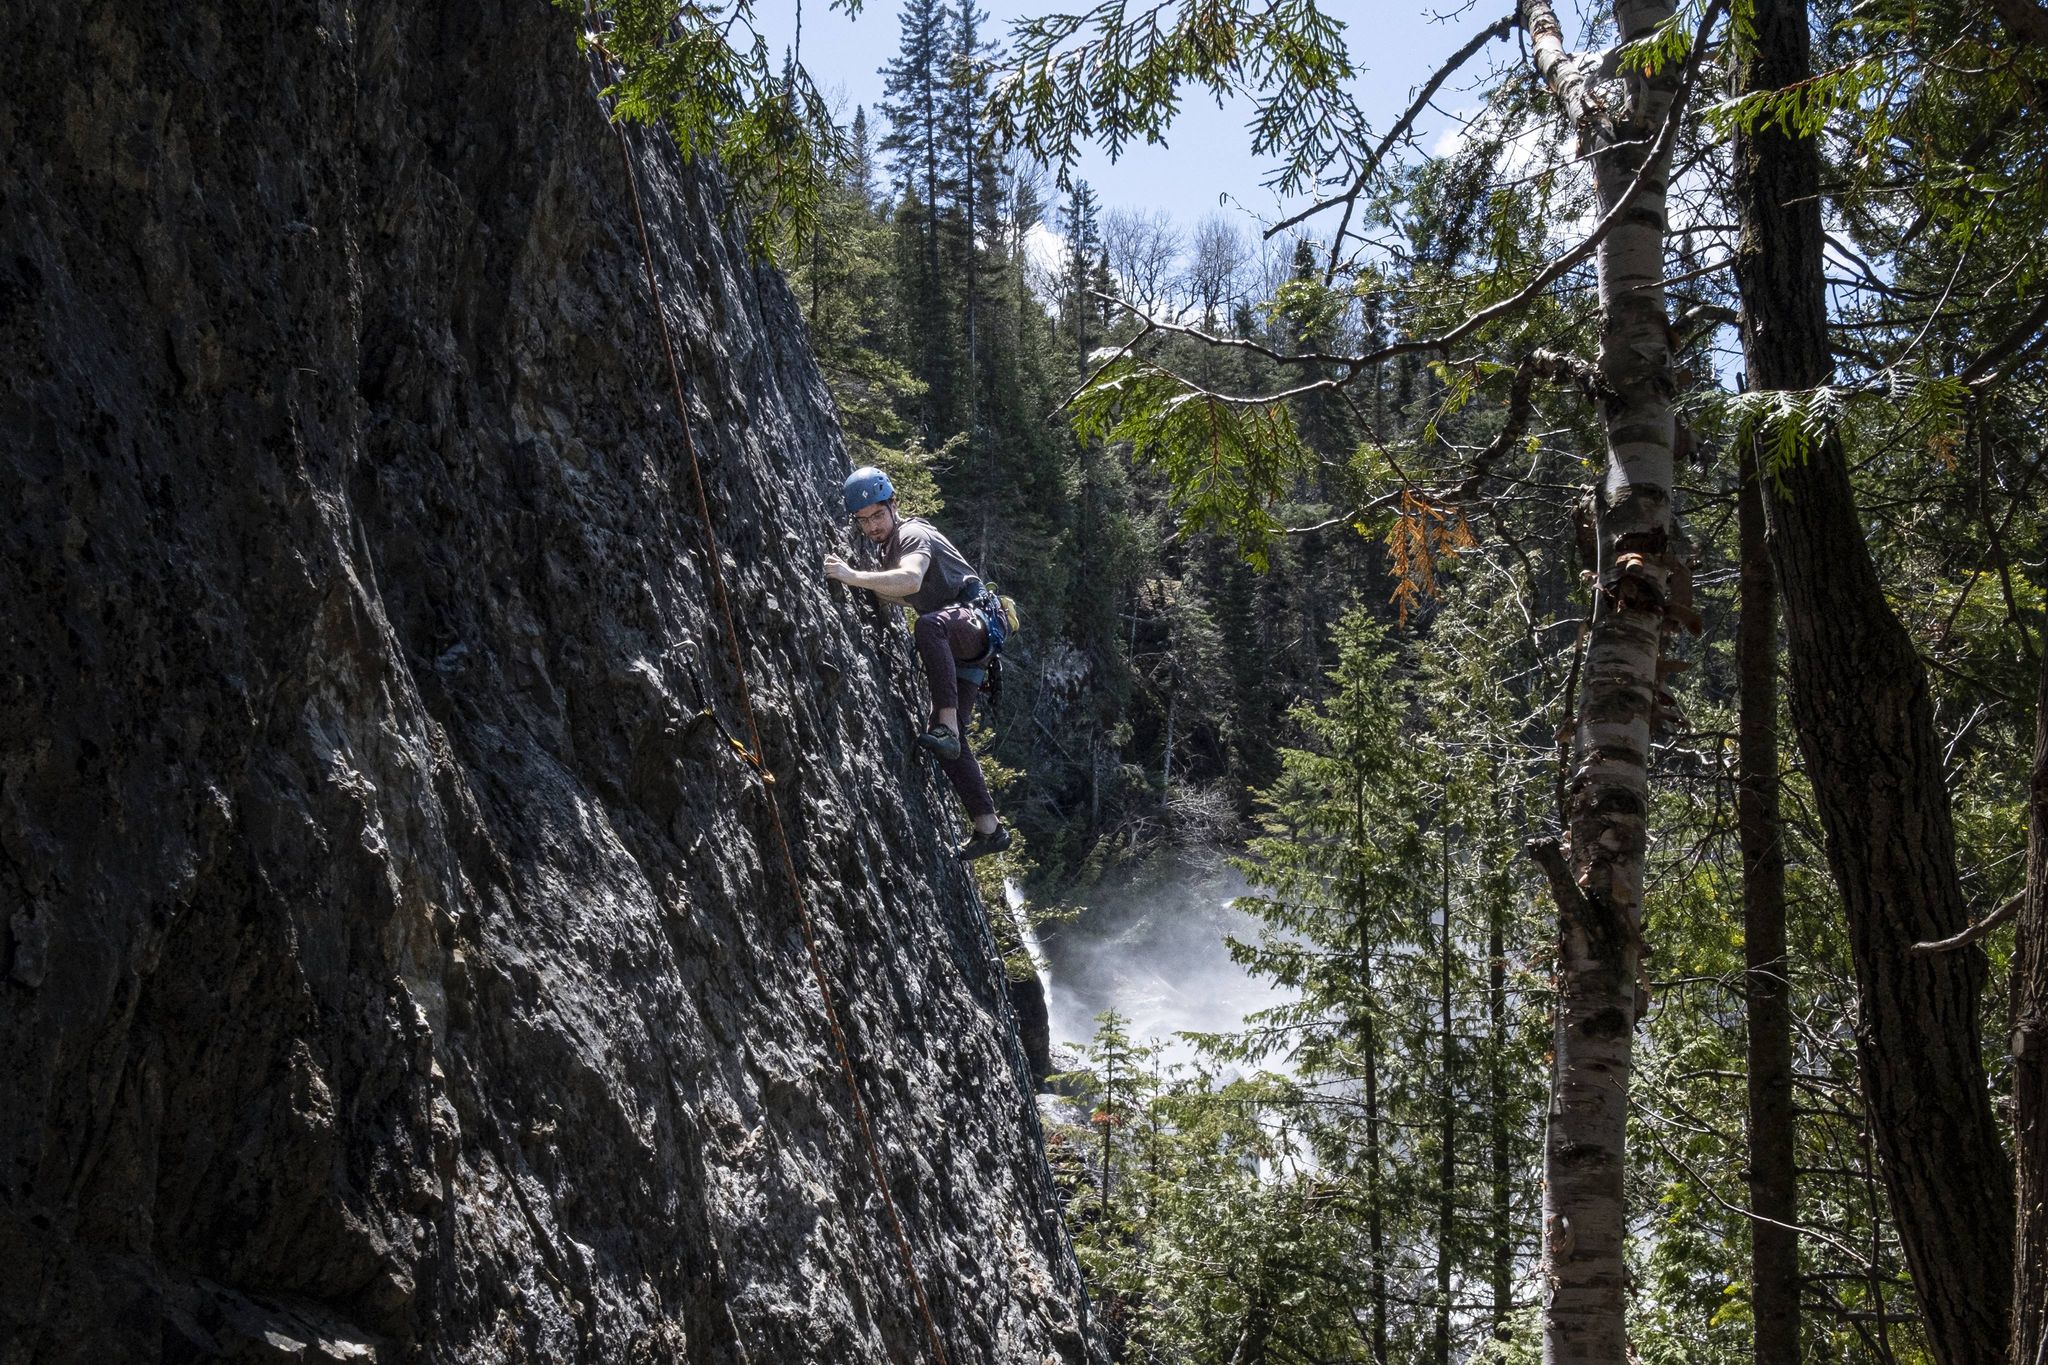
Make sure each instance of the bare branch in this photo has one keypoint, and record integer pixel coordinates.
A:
(1239, 343)
(1142, 247)
(1538, 364)
(1971, 934)
(1500, 29)
(1378, 504)
(1706, 1186)
(1355, 364)
(1701, 272)
(2015, 344)
(1548, 854)
(1096, 373)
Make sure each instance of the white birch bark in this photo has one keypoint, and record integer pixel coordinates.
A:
(1598, 879)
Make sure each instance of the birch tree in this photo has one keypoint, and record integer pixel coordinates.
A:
(1624, 107)
(1642, 592)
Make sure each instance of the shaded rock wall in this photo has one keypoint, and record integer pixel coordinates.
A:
(393, 964)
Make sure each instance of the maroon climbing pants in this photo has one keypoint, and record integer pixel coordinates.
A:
(944, 638)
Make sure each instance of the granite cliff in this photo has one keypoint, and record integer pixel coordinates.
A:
(394, 961)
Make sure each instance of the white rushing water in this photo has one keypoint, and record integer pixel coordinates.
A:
(1028, 931)
(1155, 952)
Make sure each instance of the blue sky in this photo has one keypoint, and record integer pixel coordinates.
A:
(1208, 160)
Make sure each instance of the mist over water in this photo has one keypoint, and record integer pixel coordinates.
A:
(1153, 949)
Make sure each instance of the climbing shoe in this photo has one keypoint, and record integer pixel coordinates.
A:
(981, 845)
(941, 742)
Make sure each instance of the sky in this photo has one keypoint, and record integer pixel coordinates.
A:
(1207, 163)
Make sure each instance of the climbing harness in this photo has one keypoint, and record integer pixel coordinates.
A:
(754, 753)
(999, 615)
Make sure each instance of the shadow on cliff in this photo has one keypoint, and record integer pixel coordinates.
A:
(393, 967)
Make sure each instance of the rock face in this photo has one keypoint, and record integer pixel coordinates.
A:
(395, 963)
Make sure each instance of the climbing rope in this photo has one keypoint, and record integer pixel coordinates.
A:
(755, 759)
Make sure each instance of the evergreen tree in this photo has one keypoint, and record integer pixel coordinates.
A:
(859, 176)
(1118, 1083)
(1081, 225)
(915, 102)
(1339, 862)
(847, 282)
(973, 174)
(1311, 316)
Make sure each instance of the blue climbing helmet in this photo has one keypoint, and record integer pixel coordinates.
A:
(865, 487)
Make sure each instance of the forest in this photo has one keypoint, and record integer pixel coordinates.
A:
(1588, 579)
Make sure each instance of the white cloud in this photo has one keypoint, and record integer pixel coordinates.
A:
(1045, 254)
(1045, 249)
(1453, 136)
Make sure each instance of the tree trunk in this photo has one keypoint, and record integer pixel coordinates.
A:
(1860, 704)
(1166, 763)
(1375, 1193)
(1503, 1283)
(1094, 783)
(1773, 1177)
(1108, 1131)
(1641, 555)
(2030, 1064)
(1369, 1051)
(931, 120)
(1258, 1329)
(1447, 1115)
(970, 137)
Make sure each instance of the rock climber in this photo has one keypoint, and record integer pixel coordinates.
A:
(922, 569)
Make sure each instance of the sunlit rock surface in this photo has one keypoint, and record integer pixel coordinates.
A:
(394, 963)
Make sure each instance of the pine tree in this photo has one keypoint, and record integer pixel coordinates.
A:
(847, 281)
(1310, 315)
(1340, 856)
(915, 102)
(859, 177)
(1081, 224)
(1118, 1083)
(972, 173)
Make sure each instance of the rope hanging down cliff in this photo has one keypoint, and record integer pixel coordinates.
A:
(755, 756)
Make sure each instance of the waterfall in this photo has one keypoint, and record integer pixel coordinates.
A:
(1155, 951)
(1014, 898)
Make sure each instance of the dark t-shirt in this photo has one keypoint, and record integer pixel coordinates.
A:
(946, 570)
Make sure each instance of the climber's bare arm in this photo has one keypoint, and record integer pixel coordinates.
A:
(891, 585)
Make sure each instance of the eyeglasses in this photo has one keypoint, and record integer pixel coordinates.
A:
(871, 516)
